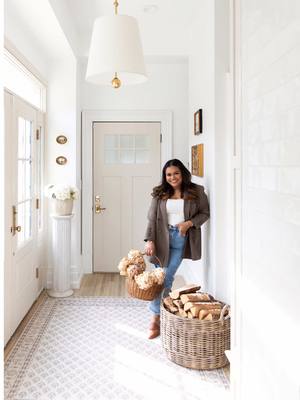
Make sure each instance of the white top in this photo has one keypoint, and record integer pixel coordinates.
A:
(175, 211)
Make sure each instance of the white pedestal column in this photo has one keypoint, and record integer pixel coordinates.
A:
(61, 256)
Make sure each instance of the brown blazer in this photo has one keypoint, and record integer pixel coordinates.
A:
(157, 230)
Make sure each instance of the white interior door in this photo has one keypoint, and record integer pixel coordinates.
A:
(126, 168)
(21, 216)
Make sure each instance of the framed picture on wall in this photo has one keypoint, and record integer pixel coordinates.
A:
(198, 122)
(197, 160)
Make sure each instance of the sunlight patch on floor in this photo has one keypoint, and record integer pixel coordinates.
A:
(154, 379)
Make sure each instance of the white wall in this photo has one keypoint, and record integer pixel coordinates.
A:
(166, 89)
(63, 114)
(209, 90)
(201, 95)
(2, 191)
(270, 275)
(52, 59)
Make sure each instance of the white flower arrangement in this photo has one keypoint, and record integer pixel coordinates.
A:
(61, 192)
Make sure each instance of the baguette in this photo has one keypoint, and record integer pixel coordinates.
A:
(202, 305)
(190, 315)
(185, 298)
(175, 294)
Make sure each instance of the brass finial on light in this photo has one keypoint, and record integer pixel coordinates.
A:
(116, 6)
(116, 82)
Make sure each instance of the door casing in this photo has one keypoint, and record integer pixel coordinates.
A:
(88, 119)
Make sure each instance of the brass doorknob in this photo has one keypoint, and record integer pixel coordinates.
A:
(98, 207)
(15, 228)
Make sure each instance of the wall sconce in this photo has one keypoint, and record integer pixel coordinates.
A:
(61, 139)
(61, 160)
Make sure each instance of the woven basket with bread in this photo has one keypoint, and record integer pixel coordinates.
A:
(141, 284)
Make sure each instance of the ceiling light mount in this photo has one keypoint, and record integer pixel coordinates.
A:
(150, 9)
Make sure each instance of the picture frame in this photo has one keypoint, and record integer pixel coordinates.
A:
(197, 154)
(198, 122)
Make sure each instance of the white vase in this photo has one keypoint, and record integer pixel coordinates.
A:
(63, 207)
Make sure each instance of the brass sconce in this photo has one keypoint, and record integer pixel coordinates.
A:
(61, 160)
(61, 139)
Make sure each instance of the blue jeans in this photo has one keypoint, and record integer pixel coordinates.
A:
(176, 246)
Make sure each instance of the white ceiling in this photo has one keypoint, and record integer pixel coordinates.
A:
(52, 24)
(163, 33)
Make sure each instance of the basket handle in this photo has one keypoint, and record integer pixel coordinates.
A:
(143, 253)
(224, 309)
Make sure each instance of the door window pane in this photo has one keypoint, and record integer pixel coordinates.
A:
(21, 138)
(18, 79)
(39, 178)
(21, 179)
(27, 182)
(142, 156)
(127, 156)
(111, 156)
(111, 141)
(142, 141)
(127, 141)
(25, 188)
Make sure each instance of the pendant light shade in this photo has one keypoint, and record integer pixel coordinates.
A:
(116, 51)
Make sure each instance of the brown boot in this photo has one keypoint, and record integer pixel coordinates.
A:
(154, 328)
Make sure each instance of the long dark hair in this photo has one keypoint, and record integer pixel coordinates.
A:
(165, 190)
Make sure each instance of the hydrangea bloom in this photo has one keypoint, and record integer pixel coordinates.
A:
(61, 192)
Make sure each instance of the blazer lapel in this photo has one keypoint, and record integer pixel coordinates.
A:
(186, 209)
(163, 208)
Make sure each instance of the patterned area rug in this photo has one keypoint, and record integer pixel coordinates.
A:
(95, 348)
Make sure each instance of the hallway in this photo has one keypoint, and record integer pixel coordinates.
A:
(217, 87)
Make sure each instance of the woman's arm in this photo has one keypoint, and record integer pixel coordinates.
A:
(151, 228)
(202, 214)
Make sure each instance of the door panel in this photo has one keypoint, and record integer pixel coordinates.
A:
(126, 167)
(21, 192)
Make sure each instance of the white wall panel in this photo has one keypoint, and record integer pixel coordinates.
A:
(270, 101)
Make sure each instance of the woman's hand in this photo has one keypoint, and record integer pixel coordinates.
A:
(184, 226)
(149, 248)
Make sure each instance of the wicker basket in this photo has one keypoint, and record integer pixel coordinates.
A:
(193, 343)
(143, 294)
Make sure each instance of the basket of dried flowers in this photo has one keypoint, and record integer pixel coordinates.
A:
(141, 284)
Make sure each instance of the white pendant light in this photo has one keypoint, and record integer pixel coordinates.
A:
(116, 55)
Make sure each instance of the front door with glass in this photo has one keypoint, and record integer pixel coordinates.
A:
(21, 206)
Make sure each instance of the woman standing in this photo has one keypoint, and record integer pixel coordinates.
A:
(178, 209)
